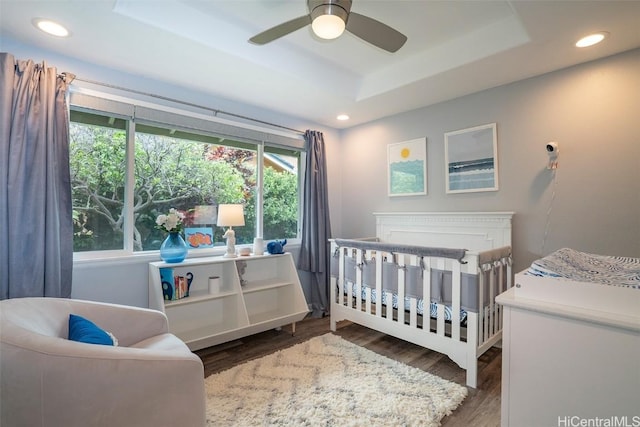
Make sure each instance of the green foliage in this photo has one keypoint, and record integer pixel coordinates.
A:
(280, 214)
(97, 162)
(168, 173)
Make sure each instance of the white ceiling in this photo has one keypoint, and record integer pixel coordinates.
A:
(454, 48)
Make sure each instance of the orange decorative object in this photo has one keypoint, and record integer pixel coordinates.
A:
(197, 239)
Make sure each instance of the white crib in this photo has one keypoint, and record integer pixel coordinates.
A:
(452, 308)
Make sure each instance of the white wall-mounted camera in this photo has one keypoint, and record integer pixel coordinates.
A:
(552, 151)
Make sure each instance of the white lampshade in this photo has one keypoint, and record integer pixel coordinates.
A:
(328, 26)
(230, 215)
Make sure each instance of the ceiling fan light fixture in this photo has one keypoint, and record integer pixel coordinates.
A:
(328, 21)
(328, 27)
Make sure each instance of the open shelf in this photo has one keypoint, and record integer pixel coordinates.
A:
(198, 296)
(271, 297)
(270, 316)
(262, 285)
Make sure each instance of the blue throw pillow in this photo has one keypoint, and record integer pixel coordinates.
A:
(84, 330)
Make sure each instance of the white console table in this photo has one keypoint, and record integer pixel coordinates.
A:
(268, 295)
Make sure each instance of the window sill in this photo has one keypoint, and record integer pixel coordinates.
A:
(101, 258)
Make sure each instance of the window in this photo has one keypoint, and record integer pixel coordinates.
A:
(280, 207)
(127, 170)
(97, 157)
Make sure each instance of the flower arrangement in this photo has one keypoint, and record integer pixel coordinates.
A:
(172, 222)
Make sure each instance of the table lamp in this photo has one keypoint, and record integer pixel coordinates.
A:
(228, 216)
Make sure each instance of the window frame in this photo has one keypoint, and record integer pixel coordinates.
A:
(151, 114)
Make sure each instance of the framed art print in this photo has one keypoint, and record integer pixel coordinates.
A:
(407, 168)
(471, 159)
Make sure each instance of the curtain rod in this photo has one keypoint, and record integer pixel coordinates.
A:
(214, 110)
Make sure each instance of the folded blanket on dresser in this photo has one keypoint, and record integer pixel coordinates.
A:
(570, 264)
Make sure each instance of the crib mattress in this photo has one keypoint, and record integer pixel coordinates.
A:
(433, 307)
(570, 264)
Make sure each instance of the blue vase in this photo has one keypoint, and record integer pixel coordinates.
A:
(174, 248)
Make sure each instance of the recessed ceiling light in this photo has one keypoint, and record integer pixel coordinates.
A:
(592, 39)
(50, 27)
(342, 117)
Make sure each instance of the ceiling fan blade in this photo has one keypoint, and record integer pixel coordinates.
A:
(375, 32)
(281, 30)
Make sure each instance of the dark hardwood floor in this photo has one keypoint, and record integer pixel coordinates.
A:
(480, 408)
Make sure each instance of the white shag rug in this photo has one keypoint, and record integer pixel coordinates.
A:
(328, 381)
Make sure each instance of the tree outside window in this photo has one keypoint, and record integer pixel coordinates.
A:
(172, 169)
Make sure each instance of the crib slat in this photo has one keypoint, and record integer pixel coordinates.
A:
(487, 323)
(413, 312)
(508, 280)
(413, 302)
(379, 262)
(503, 287)
(358, 290)
(440, 320)
(456, 276)
(481, 312)
(349, 286)
(401, 284)
(497, 291)
(341, 277)
(369, 259)
(426, 292)
(335, 276)
(389, 306)
(492, 292)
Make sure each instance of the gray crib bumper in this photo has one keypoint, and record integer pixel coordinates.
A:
(441, 282)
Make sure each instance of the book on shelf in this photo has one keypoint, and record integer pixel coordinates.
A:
(174, 287)
(180, 284)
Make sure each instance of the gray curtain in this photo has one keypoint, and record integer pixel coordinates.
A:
(316, 228)
(36, 228)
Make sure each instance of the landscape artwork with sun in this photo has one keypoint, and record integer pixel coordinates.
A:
(407, 168)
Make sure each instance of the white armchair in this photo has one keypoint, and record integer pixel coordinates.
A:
(150, 379)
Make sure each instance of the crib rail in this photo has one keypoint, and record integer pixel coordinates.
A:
(495, 272)
(426, 319)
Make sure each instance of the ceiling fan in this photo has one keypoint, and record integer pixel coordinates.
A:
(329, 19)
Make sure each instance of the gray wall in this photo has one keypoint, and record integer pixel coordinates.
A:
(592, 111)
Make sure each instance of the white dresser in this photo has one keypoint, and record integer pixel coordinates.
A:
(567, 360)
